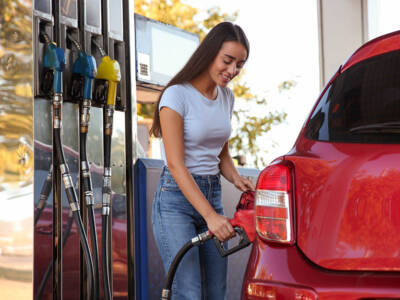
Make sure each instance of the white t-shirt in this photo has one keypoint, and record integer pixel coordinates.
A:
(206, 125)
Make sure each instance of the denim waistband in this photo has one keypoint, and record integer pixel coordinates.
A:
(167, 172)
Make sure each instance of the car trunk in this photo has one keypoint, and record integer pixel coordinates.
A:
(347, 199)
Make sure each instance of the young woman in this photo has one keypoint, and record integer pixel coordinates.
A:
(194, 120)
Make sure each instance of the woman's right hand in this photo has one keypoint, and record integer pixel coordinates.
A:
(219, 225)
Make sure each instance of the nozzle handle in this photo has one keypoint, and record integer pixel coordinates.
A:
(243, 243)
(112, 93)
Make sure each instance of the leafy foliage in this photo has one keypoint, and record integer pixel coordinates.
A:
(183, 16)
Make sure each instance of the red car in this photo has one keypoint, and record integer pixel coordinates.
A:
(328, 212)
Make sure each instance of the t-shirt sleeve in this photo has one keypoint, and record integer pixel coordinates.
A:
(172, 98)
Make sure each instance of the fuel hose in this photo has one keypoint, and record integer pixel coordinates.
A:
(85, 66)
(243, 224)
(74, 205)
(109, 72)
(54, 60)
(198, 240)
(49, 268)
(89, 199)
(44, 195)
(107, 194)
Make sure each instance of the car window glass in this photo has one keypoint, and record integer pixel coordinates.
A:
(362, 105)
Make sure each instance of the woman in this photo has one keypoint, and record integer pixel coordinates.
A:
(193, 119)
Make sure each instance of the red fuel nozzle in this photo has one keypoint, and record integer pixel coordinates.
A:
(243, 223)
(244, 215)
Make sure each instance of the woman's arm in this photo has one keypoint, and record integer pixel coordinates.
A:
(172, 133)
(229, 171)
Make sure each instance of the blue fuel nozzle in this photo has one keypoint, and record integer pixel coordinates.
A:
(54, 59)
(85, 65)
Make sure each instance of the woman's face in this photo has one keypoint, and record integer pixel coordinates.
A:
(228, 63)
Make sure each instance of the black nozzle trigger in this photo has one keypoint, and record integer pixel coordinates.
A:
(243, 243)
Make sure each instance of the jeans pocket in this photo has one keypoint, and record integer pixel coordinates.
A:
(155, 208)
(169, 184)
(172, 201)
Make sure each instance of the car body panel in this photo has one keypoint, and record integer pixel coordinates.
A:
(279, 266)
(380, 45)
(348, 204)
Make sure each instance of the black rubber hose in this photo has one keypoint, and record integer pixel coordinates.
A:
(86, 251)
(87, 187)
(172, 270)
(73, 200)
(104, 258)
(47, 273)
(93, 238)
(82, 146)
(107, 127)
(107, 151)
(59, 149)
(44, 195)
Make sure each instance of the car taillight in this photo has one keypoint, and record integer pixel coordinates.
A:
(274, 205)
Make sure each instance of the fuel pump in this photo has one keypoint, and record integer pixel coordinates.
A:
(84, 71)
(108, 76)
(54, 64)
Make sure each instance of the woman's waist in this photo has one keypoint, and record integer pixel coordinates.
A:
(199, 178)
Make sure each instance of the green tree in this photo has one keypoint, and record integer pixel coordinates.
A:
(181, 15)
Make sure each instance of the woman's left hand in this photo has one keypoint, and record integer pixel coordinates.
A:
(243, 184)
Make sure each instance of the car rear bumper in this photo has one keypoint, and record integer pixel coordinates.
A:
(276, 272)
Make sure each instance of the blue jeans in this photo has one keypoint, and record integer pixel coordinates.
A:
(202, 272)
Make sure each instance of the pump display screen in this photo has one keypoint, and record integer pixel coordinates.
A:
(43, 6)
(115, 26)
(93, 13)
(69, 9)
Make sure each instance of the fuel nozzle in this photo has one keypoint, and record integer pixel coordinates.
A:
(84, 71)
(110, 71)
(52, 85)
(108, 76)
(54, 65)
(243, 224)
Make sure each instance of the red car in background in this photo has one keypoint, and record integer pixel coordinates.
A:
(328, 212)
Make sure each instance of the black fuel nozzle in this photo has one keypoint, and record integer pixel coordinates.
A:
(243, 243)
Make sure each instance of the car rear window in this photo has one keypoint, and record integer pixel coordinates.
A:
(362, 105)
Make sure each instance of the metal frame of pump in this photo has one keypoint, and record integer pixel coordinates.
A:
(108, 76)
(84, 71)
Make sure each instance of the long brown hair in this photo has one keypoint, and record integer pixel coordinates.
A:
(201, 59)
